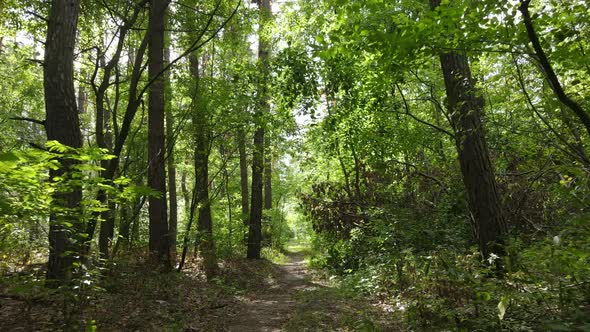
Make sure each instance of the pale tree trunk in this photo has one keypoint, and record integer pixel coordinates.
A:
(159, 243)
(63, 125)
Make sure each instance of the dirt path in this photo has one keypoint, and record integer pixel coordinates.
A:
(269, 309)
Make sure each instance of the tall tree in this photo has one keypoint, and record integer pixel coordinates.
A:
(63, 125)
(202, 152)
(159, 243)
(170, 137)
(255, 222)
(241, 137)
(466, 105)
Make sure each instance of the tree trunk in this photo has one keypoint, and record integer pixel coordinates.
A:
(63, 125)
(243, 173)
(225, 156)
(205, 241)
(173, 217)
(107, 226)
(158, 222)
(465, 106)
(255, 222)
(478, 176)
(267, 174)
(104, 131)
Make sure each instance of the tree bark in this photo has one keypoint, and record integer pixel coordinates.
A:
(159, 244)
(267, 174)
(465, 106)
(63, 125)
(243, 173)
(478, 176)
(255, 222)
(173, 198)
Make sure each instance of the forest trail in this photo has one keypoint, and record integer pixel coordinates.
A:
(294, 300)
(270, 309)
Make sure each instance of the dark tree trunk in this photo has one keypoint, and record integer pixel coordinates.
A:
(173, 217)
(255, 222)
(478, 176)
(466, 106)
(63, 125)
(243, 173)
(205, 241)
(225, 156)
(104, 131)
(158, 226)
(107, 226)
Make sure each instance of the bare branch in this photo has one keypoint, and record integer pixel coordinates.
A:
(39, 122)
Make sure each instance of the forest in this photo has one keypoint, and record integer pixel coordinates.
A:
(294, 165)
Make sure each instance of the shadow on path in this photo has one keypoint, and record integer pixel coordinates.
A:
(270, 308)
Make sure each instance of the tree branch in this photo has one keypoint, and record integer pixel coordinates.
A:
(550, 74)
(407, 108)
(39, 122)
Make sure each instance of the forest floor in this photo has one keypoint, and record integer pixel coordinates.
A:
(295, 300)
(247, 296)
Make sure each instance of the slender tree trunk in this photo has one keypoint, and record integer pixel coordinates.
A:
(185, 194)
(243, 173)
(159, 244)
(105, 139)
(225, 157)
(255, 222)
(267, 173)
(63, 125)
(255, 225)
(107, 226)
(173, 217)
(202, 150)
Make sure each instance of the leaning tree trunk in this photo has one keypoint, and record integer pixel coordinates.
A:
(63, 125)
(255, 222)
(158, 224)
